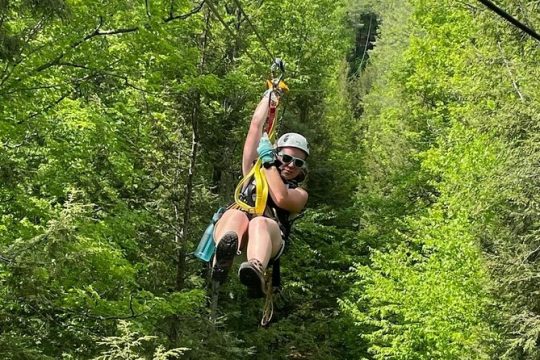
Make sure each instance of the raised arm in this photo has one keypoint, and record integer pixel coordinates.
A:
(254, 134)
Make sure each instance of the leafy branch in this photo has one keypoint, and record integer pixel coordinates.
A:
(193, 11)
(98, 32)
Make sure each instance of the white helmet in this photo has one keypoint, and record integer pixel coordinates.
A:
(293, 140)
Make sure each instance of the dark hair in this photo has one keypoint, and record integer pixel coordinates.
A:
(302, 176)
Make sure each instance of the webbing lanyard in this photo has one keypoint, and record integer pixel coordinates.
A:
(256, 173)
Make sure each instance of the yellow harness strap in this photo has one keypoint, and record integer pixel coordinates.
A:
(261, 187)
(256, 172)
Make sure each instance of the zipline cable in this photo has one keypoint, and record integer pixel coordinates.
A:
(259, 37)
(365, 46)
(263, 43)
(510, 19)
(216, 14)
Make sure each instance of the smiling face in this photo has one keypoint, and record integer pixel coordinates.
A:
(290, 171)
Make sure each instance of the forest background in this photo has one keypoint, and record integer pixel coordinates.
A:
(121, 129)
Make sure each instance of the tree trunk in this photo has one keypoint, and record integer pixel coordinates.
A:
(184, 233)
(183, 216)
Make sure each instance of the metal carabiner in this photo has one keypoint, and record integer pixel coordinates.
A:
(277, 65)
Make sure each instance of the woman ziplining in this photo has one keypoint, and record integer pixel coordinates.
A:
(262, 235)
(267, 200)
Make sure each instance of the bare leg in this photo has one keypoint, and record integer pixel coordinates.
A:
(264, 240)
(229, 230)
(231, 220)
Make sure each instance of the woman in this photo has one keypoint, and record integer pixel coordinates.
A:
(264, 236)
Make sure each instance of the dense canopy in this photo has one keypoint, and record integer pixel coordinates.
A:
(121, 130)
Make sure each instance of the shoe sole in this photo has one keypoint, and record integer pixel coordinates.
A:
(250, 277)
(225, 253)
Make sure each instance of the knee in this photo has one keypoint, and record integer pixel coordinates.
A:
(235, 216)
(262, 223)
(235, 213)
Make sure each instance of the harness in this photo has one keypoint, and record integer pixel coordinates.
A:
(271, 210)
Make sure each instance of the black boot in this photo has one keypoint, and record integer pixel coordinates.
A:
(225, 253)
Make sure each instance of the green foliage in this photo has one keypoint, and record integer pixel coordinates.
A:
(447, 130)
(127, 346)
(121, 132)
(429, 297)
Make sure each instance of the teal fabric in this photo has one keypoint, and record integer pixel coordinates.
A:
(266, 150)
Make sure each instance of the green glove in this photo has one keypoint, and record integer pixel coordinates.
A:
(266, 150)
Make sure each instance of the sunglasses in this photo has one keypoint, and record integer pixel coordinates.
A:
(287, 159)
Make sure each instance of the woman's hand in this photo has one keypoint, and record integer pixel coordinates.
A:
(265, 150)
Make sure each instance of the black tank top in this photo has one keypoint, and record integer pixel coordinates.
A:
(282, 216)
